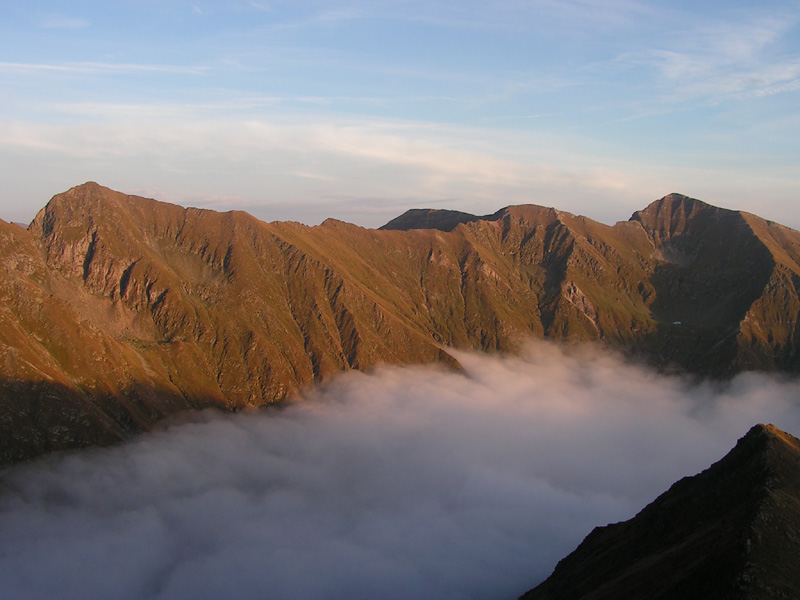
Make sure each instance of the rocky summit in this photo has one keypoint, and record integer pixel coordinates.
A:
(116, 310)
(731, 532)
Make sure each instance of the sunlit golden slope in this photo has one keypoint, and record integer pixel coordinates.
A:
(119, 310)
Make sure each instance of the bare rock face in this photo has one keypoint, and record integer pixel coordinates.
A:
(119, 310)
(730, 532)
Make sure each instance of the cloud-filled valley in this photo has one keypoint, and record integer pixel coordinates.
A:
(405, 482)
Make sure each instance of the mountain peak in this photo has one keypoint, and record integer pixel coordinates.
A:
(675, 201)
(529, 212)
(429, 218)
(447, 220)
(86, 201)
(89, 185)
(222, 309)
(772, 435)
(87, 193)
(674, 214)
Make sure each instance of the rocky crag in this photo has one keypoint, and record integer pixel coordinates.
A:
(731, 532)
(116, 311)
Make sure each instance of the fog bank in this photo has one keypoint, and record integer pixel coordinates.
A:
(403, 483)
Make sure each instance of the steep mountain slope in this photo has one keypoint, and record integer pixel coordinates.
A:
(119, 310)
(732, 532)
(712, 267)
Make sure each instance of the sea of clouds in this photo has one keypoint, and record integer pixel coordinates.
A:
(410, 482)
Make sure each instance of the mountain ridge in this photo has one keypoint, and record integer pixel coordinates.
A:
(727, 532)
(136, 309)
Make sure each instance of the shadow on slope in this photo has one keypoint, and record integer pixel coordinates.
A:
(711, 268)
(41, 417)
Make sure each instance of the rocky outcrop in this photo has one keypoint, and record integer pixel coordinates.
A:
(730, 532)
(132, 309)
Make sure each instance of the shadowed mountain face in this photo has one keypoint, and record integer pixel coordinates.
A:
(116, 311)
(730, 532)
(427, 218)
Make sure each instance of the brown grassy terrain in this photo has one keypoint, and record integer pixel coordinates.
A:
(116, 310)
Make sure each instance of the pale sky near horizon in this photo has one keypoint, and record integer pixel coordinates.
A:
(360, 110)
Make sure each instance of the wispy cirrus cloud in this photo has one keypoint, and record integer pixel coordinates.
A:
(314, 167)
(564, 17)
(259, 6)
(314, 163)
(97, 68)
(55, 21)
(722, 61)
(323, 17)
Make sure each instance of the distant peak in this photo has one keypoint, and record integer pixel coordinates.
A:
(671, 204)
(84, 188)
(675, 214)
(447, 220)
(83, 192)
(676, 197)
(529, 212)
(88, 184)
(331, 222)
(96, 195)
(429, 218)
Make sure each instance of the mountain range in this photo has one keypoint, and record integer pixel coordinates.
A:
(731, 532)
(117, 311)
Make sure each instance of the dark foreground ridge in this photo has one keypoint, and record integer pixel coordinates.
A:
(116, 310)
(730, 532)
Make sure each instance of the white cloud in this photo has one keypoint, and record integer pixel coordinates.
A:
(402, 483)
(268, 161)
(310, 167)
(723, 60)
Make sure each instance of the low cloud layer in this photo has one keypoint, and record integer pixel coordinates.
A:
(402, 483)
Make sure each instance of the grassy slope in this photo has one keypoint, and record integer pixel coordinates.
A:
(139, 308)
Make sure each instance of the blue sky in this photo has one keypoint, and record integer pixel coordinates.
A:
(360, 110)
